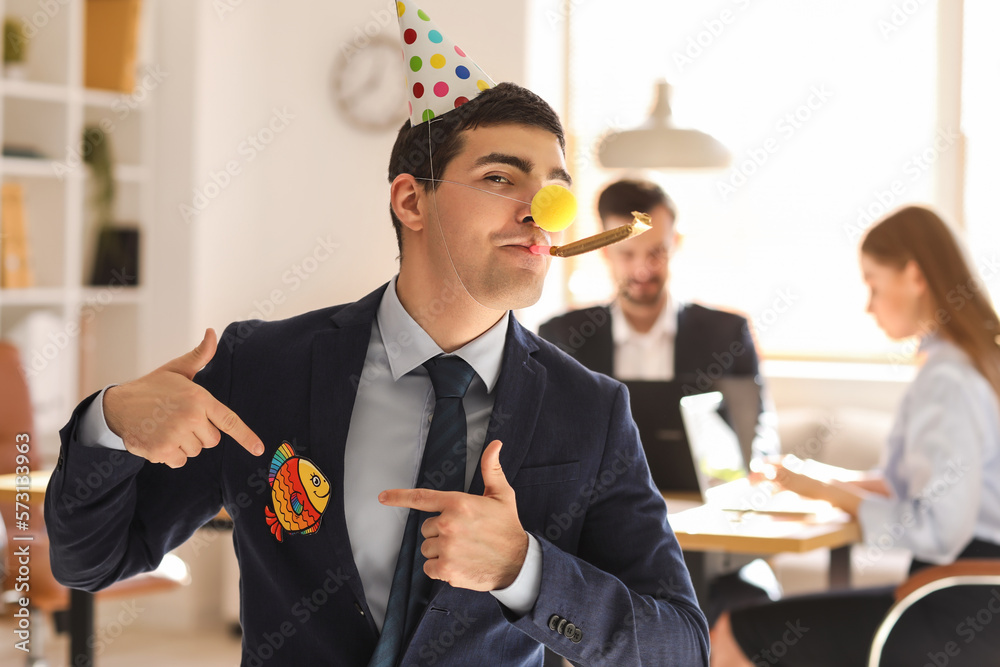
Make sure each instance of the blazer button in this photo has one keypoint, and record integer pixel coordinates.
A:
(562, 625)
(577, 636)
(554, 621)
(357, 605)
(569, 630)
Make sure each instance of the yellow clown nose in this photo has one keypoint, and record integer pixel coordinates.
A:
(553, 208)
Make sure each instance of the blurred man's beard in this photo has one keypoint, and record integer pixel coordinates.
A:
(643, 298)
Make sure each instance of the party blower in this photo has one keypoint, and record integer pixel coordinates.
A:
(553, 208)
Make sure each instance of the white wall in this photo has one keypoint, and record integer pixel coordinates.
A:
(318, 179)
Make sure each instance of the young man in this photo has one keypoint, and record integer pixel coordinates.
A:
(557, 536)
(646, 334)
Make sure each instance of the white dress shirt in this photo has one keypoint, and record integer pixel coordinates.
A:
(644, 356)
(943, 463)
(385, 442)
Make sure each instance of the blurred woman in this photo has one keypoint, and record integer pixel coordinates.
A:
(938, 494)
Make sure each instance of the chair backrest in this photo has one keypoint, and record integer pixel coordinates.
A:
(966, 572)
(16, 420)
(15, 408)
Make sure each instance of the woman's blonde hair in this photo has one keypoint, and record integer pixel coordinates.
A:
(963, 310)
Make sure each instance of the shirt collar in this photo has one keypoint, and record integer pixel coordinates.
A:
(664, 326)
(407, 345)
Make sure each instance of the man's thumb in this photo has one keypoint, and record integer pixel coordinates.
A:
(190, 363)
(494, 481)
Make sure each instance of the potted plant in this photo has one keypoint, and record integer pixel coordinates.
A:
(15, 49)
(117, 260)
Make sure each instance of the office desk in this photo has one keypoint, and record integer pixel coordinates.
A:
(707, 528)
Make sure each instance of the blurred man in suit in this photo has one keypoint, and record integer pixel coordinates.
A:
(647, 334)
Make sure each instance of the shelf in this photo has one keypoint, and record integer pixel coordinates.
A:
(32, 296)
(112, 99)
(130, 173)
(120, 296)
(34, 90)
(33, 167)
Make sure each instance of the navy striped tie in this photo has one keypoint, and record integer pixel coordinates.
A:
(442, 468)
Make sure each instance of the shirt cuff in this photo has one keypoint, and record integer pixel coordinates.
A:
(520, 596)
(94, 431)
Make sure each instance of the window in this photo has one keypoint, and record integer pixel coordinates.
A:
(830, 111)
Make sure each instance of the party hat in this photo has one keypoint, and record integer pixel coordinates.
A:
(439, 76)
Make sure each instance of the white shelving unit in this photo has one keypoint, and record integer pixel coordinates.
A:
(95, 333)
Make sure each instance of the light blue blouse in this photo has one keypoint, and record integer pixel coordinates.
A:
(942, 465)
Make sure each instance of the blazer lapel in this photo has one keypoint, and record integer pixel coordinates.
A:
(338, 358)
(684, 363)
(599, 354)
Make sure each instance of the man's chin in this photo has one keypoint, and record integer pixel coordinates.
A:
(642, 298)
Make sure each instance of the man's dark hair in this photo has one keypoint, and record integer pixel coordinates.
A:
(505, 103)
(622, 197)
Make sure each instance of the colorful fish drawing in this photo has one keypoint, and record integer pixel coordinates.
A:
(299, 493)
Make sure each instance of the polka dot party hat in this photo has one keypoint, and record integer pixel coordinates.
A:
(439, 75)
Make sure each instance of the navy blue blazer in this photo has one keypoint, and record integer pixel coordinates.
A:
(709, 342)
(614, 591)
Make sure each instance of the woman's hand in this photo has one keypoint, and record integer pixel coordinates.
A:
(839, 494)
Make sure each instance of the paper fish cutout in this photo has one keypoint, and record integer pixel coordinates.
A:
(299, 493)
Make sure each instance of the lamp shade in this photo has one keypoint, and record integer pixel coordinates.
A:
(660, 144)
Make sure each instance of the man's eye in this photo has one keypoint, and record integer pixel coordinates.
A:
(496, 178)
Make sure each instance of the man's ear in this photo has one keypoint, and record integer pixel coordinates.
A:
(675, 242)
(408, 202)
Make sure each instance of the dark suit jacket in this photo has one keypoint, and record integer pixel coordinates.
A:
(709, 342)
(610, 563)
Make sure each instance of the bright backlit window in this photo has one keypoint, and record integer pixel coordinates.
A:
(830, 112)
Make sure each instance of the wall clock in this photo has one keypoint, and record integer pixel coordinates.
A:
(367, 85)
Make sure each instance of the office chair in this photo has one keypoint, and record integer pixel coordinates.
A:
(970, 572)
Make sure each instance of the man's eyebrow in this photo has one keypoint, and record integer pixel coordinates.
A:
(519, 163)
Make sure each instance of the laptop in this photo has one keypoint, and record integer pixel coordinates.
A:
(691, 449)
(721, 470)
(656, 412)
(656, 409)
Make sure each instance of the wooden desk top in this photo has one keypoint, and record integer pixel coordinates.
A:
(39, 480)
(708, 528)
